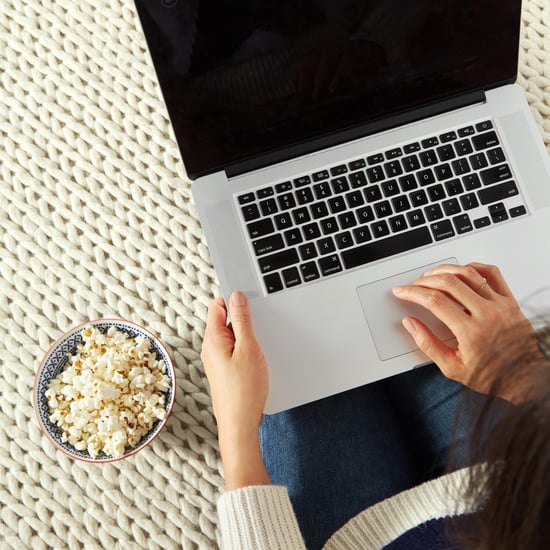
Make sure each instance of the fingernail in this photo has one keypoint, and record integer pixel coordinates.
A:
(238, 298)
(397, 289)
(428, 272)
(409, 325)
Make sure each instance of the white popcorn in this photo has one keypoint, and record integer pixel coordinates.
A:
(110, 394)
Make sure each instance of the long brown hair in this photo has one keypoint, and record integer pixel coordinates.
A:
(511, 482)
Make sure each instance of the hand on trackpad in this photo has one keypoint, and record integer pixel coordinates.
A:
(384, 312)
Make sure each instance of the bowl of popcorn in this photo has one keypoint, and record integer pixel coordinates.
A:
(104, 390)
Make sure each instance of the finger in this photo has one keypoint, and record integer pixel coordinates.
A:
(441, 354)
(494, 278)
(468, 274)
(446, 309)
(241, 319)
(216, 327)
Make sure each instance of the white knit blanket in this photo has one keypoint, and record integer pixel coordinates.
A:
(97, 220)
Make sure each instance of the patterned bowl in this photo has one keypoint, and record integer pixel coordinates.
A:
(57, 358)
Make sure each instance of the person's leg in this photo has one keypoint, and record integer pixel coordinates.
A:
(437, 416)
(337, 456)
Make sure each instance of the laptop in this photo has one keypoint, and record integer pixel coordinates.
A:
(338, 148)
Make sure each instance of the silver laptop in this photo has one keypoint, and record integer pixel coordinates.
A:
(340, 148)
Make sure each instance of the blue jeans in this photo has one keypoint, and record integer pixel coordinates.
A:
(339, 455)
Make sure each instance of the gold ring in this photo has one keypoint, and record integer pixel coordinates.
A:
(482, 285)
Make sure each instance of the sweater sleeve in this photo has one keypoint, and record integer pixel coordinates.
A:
(258, 518)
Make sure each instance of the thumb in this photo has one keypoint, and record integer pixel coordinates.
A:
(241, 320)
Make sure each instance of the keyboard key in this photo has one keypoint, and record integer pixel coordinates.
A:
(347, 220)
(268, 244)
(471, 182)
(460, 167)
(375, 159)
(393, 169)
(283, 220)
(286, 201)
(329, 225)
(463, 147)
(497, 192)
(336, 204)
(307, 251)
(309, 272)
(498, 212)
(383, 248)
(483, 126)
(454, 187)
(433, 212)
(301, 215)
(372, 193)
(398, 223)
(394, 153)
(410, 163)
(380, 228)
(445, 153)
(264, 193)
(322, 190)
(411, 148)
(478, 161)
(448, 136)
(293, 237)
(357, 179)
(401, 203)
(390, 188)
(260, 228)
(430, 142)
(517, 211)
(436, 192)
(383, 209)
(451, 207)
(443, 172)
(408, 183)
(466, 131)
(485, 221)
(496, 156)
(250, 212)
(462, 224)
(355, 199)
(416, 217)
(375, 174)
(338, 170)
(357, 164)
(428, 158)
(304, 195)
(419, 198)
(365, 214)
(283, 187)
(485, 141)
(311, 231)
(330, 265)
(362, 234)
(268, 207)
(340, 185)
(442, 230)
(343, 240)
(326, 245)
(245, 198)
(291, 277)
(498, 173)
(281, 259)
(469, 201)
(425, 177)
(273, 283)
(303, 180)
(319, 210)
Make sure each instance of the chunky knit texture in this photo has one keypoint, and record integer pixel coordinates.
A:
(96, 219)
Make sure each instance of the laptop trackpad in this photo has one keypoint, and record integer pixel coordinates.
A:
(383, 312)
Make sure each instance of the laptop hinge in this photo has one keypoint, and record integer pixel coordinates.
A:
(356, 132)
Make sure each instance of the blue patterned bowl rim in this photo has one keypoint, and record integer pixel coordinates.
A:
(56, 359)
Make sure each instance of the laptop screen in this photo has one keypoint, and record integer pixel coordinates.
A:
(244, 77)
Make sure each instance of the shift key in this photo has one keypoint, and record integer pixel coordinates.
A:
(278, 260)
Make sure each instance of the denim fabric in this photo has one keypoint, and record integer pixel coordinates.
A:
(339, 455)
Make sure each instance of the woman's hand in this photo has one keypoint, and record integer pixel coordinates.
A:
(237, 372)
(477, 306)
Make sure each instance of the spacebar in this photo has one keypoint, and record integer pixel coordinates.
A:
(386, 247)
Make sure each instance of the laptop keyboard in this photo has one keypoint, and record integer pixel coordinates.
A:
(344, 216)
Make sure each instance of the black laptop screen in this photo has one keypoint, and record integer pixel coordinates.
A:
(241, 78)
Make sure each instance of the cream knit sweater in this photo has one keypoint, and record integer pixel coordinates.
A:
(261, 517)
